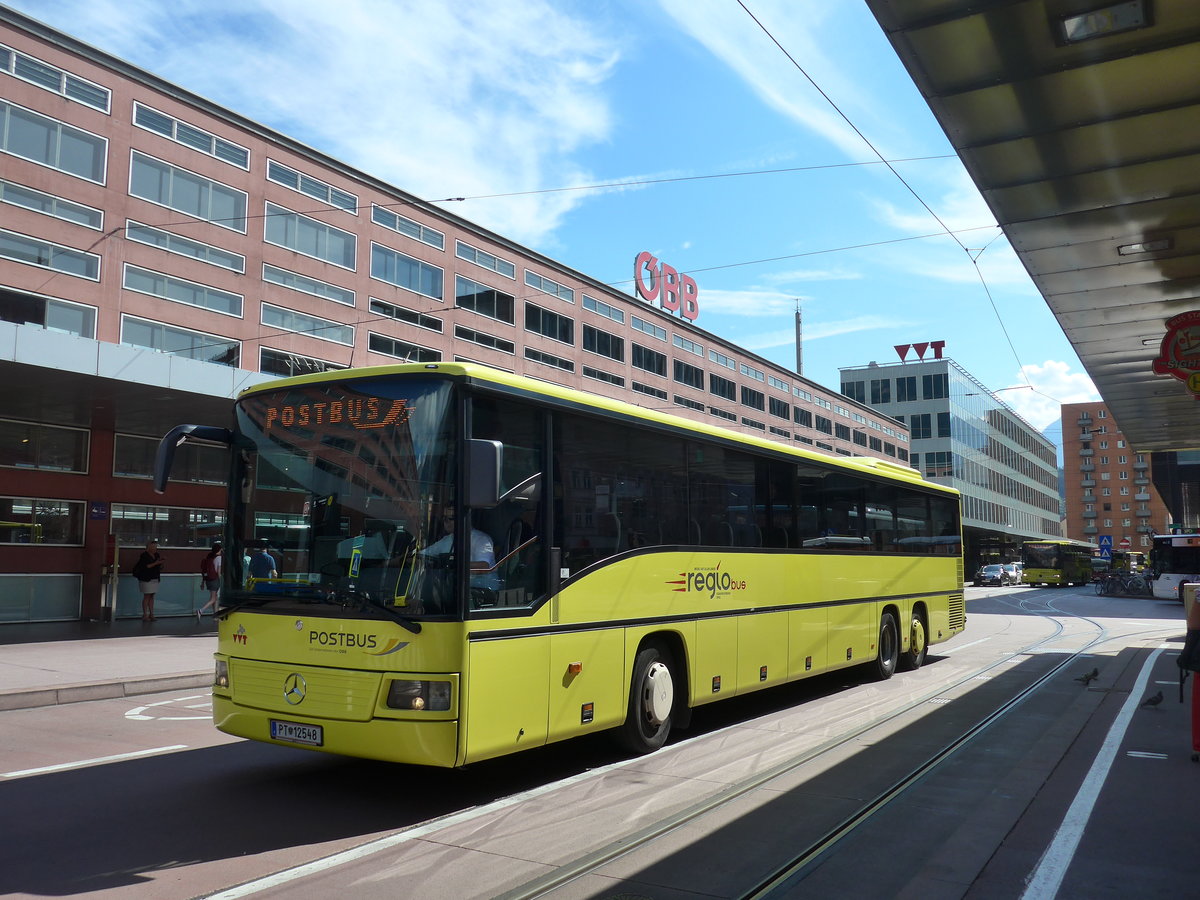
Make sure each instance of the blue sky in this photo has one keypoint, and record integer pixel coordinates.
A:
(524, 98)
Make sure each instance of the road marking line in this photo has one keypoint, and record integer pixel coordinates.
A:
(138, 712)
(1052, 867)
(92, 762)
(1145, 754)
(962, 647)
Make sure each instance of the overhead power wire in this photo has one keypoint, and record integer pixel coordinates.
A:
(899, 177)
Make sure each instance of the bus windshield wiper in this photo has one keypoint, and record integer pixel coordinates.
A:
(364, 599)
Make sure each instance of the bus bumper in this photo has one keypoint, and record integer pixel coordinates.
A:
(433, 743)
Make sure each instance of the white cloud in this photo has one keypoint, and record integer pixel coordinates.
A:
(442, 100)
(1053, 384)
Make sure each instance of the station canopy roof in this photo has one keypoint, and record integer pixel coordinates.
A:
(1079, 122)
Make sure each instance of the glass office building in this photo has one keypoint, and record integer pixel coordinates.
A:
(964, 436)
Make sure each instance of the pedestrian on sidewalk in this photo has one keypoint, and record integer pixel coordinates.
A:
(210, 578)
(148, 571)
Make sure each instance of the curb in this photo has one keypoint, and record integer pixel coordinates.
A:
(101, 690)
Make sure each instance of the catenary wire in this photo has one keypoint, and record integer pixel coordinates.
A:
(899, 177)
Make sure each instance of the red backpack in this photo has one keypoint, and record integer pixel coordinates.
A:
(207, 570)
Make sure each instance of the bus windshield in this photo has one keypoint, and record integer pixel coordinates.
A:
(1042, 556)
(336, 488)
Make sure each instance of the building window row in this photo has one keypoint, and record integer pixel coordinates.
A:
(648, 390)
(179, 290)
(182, 246)
(604, 309)
(393, 267)
(310, 237)
(188, 193)
(47, 312)
(549, 359)
(484, 300)
(549, 324)
(549, 286)
(483, 339)
(486, 260)
(692, 376)
(407, 227)
(278, 362)
(190, 136)
(306, 284)
(410, 353)
(606, 377)
(603, 344)
(303, 323)
(171, 339)
(649, 360)
(46, 255)
(655, 331)
(49, 205)
(53, 79)
(409, 316)
(311, 187)
(51, 143)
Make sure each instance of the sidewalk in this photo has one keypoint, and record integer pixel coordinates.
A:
(48, 663)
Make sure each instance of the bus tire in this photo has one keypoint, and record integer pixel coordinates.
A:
(651, 700)
(918, 644)
(889, 647)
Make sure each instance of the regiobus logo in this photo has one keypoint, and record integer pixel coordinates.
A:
(711, 581)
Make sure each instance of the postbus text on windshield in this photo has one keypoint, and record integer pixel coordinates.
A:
(360, 412)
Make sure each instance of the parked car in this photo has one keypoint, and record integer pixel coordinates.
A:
(1014, 571)
(992, 574)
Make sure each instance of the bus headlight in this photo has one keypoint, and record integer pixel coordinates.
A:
(432, 696)
(221, 675)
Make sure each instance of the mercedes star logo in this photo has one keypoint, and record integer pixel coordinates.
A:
(294, 688)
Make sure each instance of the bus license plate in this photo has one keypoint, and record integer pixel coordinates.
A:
(296, 733)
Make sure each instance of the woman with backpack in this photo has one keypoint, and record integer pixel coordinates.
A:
(210, 578)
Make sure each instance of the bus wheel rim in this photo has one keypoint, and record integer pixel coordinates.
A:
(918, 636)
(658, 693)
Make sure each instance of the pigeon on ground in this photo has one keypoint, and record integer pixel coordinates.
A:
(1089, 677)
(1153, 701)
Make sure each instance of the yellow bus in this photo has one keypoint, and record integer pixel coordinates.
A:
(625, 565)
(1057, 563)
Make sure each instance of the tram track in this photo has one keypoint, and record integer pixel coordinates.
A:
(781, 880)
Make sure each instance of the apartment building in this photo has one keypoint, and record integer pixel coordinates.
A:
(1109, 487)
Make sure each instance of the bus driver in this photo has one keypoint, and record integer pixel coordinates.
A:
(483, 553)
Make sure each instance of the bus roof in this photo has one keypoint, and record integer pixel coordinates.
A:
(476, 373)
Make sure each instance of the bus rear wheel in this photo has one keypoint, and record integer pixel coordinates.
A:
(918, 644)
(651, 699)
(889, 647)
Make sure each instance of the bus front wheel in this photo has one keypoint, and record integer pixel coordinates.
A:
(889, 647)
(651, 698)
(918, 644)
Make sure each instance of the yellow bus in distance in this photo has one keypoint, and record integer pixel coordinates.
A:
(624, 566)
(1057, 563)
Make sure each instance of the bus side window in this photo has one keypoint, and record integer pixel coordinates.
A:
(617, 489)
(515, 525)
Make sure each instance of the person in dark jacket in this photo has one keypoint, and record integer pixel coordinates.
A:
(148, 571)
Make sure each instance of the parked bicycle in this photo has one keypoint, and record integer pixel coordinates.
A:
(1122, 583)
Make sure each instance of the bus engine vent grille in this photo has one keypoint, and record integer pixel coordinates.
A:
(958, 611)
